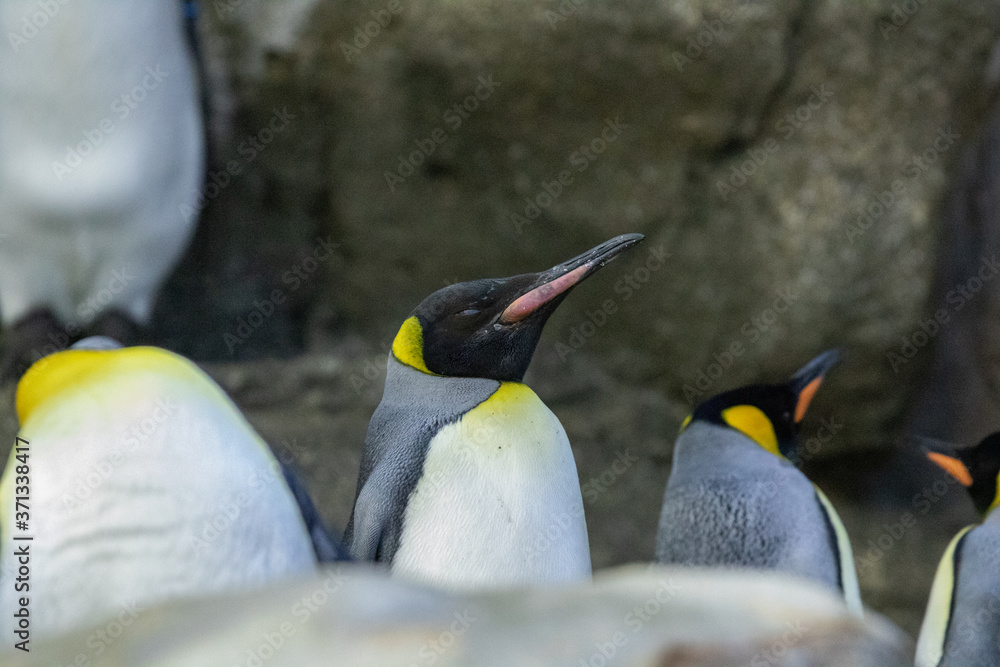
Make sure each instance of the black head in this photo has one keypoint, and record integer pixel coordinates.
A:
(976, 468)
(489, 328)
(768, 414)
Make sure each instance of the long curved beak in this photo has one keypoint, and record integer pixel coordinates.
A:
(561, 278)
(947, 457)
(806, 381)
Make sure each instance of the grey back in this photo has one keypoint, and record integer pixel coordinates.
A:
(973, 635)
(729, 502)
(414, 407)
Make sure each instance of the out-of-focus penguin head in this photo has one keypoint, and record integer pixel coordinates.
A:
(97, 360)
(768, 414)
(96, 343)
(489, 328)
(976, 468)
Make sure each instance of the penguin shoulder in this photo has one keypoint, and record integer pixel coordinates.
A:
(940, 606)
(707, 450)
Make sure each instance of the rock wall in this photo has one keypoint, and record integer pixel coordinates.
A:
(786, 160)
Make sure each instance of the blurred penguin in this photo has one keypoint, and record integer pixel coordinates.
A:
(145, 483)
(101, 160)
(735, 499)
(962, 622)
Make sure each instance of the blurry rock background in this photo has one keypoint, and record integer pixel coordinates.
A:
(788, 161)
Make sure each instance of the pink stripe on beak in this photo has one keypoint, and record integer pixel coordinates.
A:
(529, 302)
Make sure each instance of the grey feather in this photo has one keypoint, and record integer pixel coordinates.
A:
(729, 502)
(414, 407)
(973, 634)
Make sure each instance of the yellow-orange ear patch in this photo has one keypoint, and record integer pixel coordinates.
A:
(684, 424)
(806, 397)
(953, 467)
(753, 423)
(408, 346)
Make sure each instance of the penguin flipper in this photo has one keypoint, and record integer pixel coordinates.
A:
(366, 526)
(934, 629)
(845, 555)
(326, 548)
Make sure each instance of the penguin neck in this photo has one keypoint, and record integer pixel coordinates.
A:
(709, 449)
(991, 513)
(71, 372)
(413, 388)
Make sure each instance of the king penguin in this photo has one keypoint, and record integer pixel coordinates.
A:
(138, 480)
(962, 623)
(101, 165)
(467, 479)
(735, 499)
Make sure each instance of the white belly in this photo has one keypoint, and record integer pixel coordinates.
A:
(144, 495)
(499, 501)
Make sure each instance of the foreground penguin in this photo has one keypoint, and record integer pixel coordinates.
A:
(467, 478)
(101, 164)
(143, 482)
(735, 499)
(962, 623)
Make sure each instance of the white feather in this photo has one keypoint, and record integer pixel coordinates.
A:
(499, 501)
(115, 80)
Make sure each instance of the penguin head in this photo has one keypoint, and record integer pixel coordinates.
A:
(96, 343)
(489, 328)
(976, 468)
(95, 364)
(768, 414)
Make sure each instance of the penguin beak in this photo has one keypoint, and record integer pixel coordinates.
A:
(945, 455)
(807, 380)
(558, 280)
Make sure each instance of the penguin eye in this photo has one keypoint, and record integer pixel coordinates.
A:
(469, 311)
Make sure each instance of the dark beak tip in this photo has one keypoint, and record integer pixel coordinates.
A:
(611, 248)
(625, 241)
(818, 367)
(926, 445)
(830, 357)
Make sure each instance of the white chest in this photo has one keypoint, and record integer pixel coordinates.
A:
(161, 497)
(499, 501)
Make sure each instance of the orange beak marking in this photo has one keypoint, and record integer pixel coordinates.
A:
(805, 397)
(953, 467)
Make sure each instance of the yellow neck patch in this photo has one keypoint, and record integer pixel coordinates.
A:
(63, 371)
(753, 423)
(408, 346)
(508, 394)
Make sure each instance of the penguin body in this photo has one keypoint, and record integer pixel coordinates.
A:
(146, 483)
(101, 156)
(468, 480)
(961, 625)
(414, 408)
(764, 515)
(734, 499)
